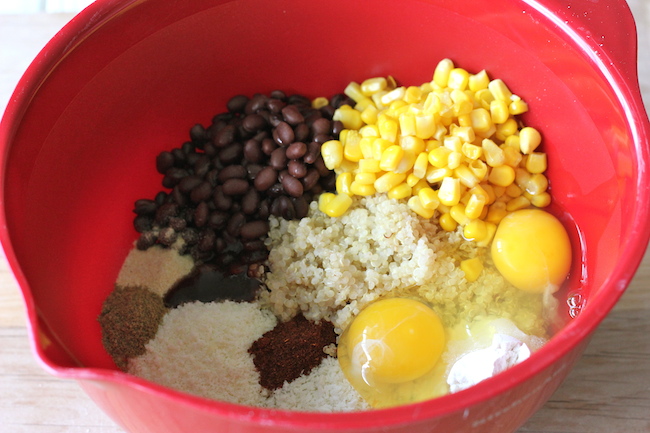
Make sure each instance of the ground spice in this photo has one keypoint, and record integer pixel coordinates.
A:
(290, 350)
(129, 319)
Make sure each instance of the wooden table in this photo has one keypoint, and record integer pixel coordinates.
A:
(608, 391)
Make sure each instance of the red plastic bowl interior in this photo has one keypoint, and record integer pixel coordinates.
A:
(127, 79)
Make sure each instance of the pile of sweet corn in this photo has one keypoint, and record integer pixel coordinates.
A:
(451, 145)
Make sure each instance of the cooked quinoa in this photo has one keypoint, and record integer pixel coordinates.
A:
(330, 268)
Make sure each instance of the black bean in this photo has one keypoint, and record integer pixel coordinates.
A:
(292, 115)
(321, 126)
(283, 134)
(292, 186)
(235, 186)
(178, 224)
(167, 236)
(173, 176)
(274, 209)
(275, 105)
(301, 132)
(299, 99)
(313, 152)
(254, 229)
(297, 169)
(179, 157)
(327, 112)
(161, 198)
(301, 206)
(287, 210)
(217, 219)
(278, 94)
(202, 165)
(178, 196)
(311, 178)
(278, 159)
(232, 171)
(253, 122)
(164, 161)
(264, 209)
(166, 211)
(268, 146)
(296, 150)
(225, 136)
(337, 127)
(201, 214)
(188, 183)
(142, 223)
(190, 235)
(275, 119)
(328, 182)
(210, 150)
(254, 245)
(235, 224)
(145, 207)
(256, 103)
(250, 202)
(219, 245)
(231, 154)
(253, 151)
(237, 103)
(321, 138)
(276, 190)
(252, 170)
(319, 165)
(206, 240)
(198, 133)
(146, 240)
(201, 192)
(220, 200)
(265, 178)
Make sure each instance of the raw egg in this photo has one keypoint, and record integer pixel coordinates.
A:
(531, 249)
(390, 351)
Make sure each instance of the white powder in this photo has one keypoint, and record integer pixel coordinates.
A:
(202, 349)
(157, 269)
(325, 389)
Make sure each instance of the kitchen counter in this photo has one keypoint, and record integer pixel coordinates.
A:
(608, 391)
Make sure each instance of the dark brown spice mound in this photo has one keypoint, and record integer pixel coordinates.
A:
(129, 319)
(290, 350)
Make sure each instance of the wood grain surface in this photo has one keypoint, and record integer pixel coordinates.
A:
(607, 392)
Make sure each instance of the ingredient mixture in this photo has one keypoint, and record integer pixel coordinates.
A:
(384, 246)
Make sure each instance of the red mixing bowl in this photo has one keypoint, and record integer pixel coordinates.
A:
(126, 79)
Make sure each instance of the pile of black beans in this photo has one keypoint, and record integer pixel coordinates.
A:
(261, 157)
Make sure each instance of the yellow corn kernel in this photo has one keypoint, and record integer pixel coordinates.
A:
(361, 105)
(369, 131)
(475, 230)
(373, 85)
(536, 162)
(369, 114)
(412, 179)
(435, 175)
(502, 175)
(429, 198)
(462, 103)
(513, 190)
(464, 133)
(350, 117)
(441, 73)
(432, 103)
(432, 144)
(338, 205)
(529, 139)
(449, 192)
(376, 98)
(496, 212)
(405, 164)
(379, 145)
(347, 166)
(522, 177)
(365, 178)
(499, 90)
(479, 81)
(493, 154)
(512, 141)
(413, 144)
(512, 156)
(466, 176)
(324, 199)
(518, 107)
(484, 98)
(422, 183)
(458, 79)
(369, 166)
(490, 228)
(479, 168)
(412, 94)
(471, 151)
(365, 145)
(457, 212)
(425, 125)
(472, 268)
(416, 206)
(439, 156)
(520, 202)
(391, 157)
(453, 143)
(393, 95)
(357, 188)
(482, 190)
(541, 200)
(319, 102)
(407, 123)
(447, 223)
(402, 190)
(351, 148)
(387, 128)
(537, 184)
(353, 90)
(343, 182)
(499, 111)
(454, 160)
(420, 165)
(475, 205)
(482, 123)
(388, 181)
(499, 191)
(506, 129)
(332, 152)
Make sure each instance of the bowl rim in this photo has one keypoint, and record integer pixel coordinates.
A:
(621, 76)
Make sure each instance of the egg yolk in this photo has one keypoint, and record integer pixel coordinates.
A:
(388, 347)
(531, 249)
